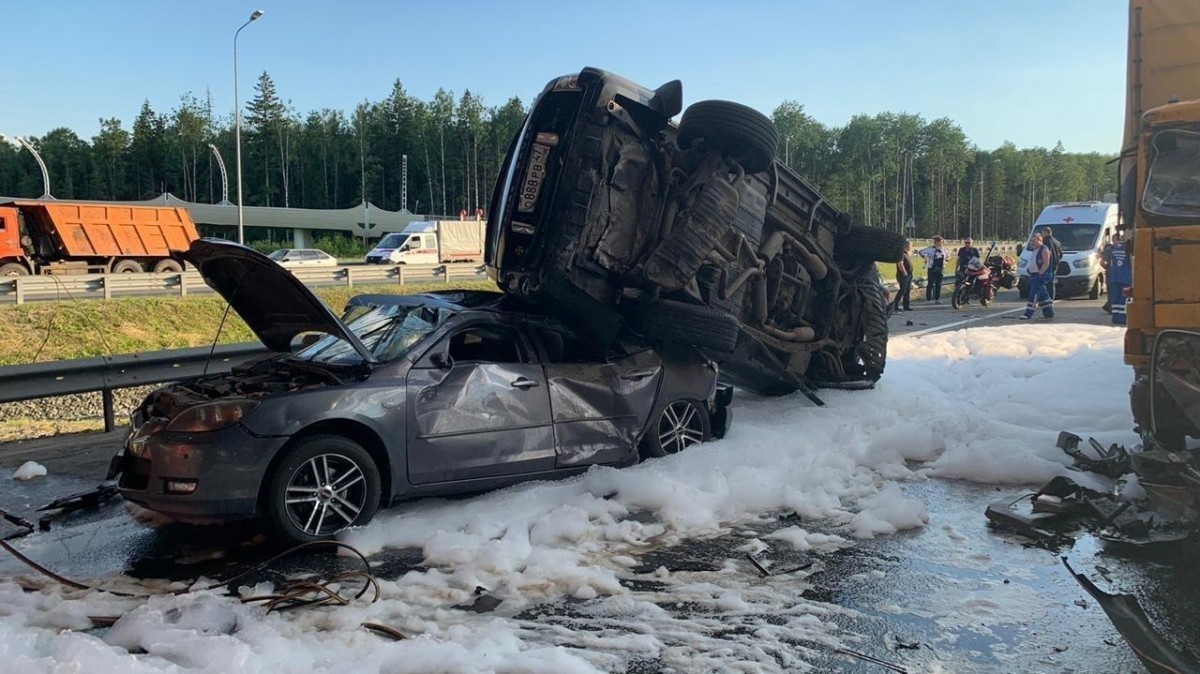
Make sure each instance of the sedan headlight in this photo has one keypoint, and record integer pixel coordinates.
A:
(211, 416)
(1084, 262)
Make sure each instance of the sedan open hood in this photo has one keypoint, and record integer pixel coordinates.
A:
(273, 302)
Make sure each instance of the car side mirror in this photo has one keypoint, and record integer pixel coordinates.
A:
(441, 360)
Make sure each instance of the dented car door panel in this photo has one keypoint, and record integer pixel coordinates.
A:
(477, 419)
(601, 408)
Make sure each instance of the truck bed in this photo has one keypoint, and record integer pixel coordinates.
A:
(104, 230)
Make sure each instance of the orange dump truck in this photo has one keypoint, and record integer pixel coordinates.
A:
(52, 237)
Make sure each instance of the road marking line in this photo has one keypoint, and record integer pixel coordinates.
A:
(947, 326)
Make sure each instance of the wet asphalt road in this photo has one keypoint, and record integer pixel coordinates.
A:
(969, 597)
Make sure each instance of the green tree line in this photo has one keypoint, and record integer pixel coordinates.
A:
(886, 169)
(890, 168)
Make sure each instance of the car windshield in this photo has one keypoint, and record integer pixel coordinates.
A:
(392, 241)
(279, 254)
(388, 331)
(1073, 237)
(1173, 179)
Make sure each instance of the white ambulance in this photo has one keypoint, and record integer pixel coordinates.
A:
(1082, 227)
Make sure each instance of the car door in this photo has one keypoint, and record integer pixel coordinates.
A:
(600, 401)
(479, 407)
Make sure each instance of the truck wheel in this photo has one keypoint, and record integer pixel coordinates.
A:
(13, 269)
(126, 267)
(879, 245)
(742, 132)
(323, 485)
(1094, 293)
(695, 325)
(167, 267)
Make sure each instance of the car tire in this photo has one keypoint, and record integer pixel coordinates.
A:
(13, 269)
(167, 267)
(126, 267)
(873, 243)
(872, 348)
(739, 131)
(1094, 292)
(312, 466)
(692, 324)
(679, 425)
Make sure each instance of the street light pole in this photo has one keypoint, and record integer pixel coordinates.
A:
(237, 124)
(20, 142)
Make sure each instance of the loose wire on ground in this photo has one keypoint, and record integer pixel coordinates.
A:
(295, 595)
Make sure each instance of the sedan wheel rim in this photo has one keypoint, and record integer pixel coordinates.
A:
(326, 494)
(680, 427)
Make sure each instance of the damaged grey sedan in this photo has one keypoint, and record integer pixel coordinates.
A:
(406, 396)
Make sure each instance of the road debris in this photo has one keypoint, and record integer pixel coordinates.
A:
(66, 505)
(1156, 653)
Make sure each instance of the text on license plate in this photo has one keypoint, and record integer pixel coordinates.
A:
(535, 176)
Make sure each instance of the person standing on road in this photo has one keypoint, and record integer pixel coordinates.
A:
(1106, 265)
(1040, 264)
(935, 266)
(1120, 277)
(966, 253)
(904, 277)
(1056, 252)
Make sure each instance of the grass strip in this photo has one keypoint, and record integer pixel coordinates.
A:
(63, 330)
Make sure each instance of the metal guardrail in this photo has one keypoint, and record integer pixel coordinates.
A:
(106, 374)
(22, 289)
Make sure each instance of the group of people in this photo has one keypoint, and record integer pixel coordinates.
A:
(1045, 253)
(935, 257)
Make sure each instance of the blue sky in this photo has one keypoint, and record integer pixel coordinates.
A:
(1028, 71)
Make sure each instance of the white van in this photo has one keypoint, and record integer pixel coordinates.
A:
(1081, 227)
(434, 242)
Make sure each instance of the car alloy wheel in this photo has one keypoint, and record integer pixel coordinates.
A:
(326, 494)
(682, 425)
(322, 484)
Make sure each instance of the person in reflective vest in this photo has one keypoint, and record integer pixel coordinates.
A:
(1041, 264)
(1120, 277)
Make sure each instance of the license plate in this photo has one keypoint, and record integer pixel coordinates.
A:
(535, 177)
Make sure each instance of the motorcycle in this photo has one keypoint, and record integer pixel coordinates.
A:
(982, 281)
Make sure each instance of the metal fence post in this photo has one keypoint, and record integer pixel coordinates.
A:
(182, 284)
(400, 273)
(19, 289)
(349, 277)
(110, 421)
(446, 272)
(107, 287)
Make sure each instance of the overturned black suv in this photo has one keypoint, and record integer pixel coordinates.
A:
(693, 233)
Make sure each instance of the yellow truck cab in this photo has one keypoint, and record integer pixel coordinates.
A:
(1160, 191)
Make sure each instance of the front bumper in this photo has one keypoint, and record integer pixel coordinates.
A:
(1072, 285)
(228, 467)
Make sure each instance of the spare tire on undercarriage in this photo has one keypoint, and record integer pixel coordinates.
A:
(873, 243)
(734, 129)
(691, 324)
